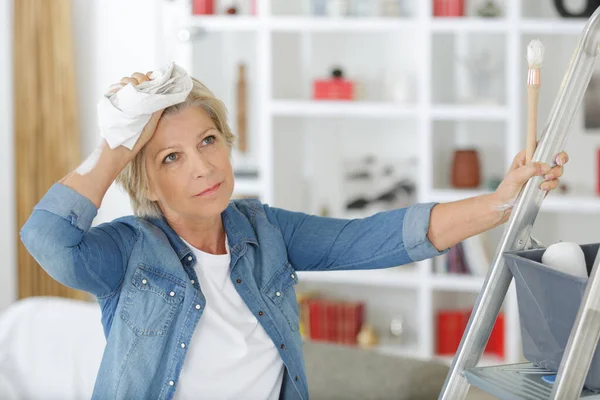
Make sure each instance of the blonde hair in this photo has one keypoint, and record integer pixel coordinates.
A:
(134, 179)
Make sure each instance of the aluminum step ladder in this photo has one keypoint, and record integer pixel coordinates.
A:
(524, 381)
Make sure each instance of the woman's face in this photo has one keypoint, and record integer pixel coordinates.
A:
(188, 166)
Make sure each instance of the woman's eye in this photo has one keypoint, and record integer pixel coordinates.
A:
(170, 158)
(209, 140)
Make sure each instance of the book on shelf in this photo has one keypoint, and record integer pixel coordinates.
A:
(330, 320)
(468, 257)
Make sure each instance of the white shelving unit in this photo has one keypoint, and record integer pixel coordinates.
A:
(275, 110)
(306, 108)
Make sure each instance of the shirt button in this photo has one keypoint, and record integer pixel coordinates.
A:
(183, 345)
(193, 281)
(260, 313)
(190, 258)
(277, 294)
(282, 346)
(238, 280)
(197, 306)
(296, 378)
(144, 281)
(171, 383)
(172, 294)
(292, 276)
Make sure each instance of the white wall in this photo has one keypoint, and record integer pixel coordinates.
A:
(8, 228)
(112, 39)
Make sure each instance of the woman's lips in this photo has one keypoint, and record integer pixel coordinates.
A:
(210, 190)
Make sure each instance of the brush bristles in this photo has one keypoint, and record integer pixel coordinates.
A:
(535, 54)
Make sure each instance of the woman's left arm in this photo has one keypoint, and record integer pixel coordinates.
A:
(451, 223)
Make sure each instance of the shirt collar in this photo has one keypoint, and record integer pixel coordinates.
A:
(237, 227)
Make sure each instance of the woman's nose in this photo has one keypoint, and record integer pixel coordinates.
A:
(201, 166)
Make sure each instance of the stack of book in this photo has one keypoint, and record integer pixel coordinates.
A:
(329, 320)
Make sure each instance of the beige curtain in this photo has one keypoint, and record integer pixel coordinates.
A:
(46, 126)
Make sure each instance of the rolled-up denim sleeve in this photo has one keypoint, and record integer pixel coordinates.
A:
(414, 232)
(64, 202)
(383, 240)
(58, 236)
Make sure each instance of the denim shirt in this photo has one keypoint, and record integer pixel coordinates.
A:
(143, 277)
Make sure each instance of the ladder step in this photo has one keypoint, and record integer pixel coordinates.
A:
(522, 381)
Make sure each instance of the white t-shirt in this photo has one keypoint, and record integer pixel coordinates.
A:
(230, 355)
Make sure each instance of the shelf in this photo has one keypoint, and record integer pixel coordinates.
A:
(315, 108)
(418, 43)
(438, 25)
(469, 112)
(449, 195)
(573, 204)
(247, 186)
(457, 283)
(379, 277)
(330, 24)
(223, 23)
(395, 350)
(553, 203)
(553, 26)
(483, 25)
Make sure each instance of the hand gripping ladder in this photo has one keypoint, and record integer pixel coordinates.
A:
(586, 330)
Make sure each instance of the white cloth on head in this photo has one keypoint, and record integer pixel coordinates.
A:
(123, 115)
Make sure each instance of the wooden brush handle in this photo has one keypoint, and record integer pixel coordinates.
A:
(241, 110)
(532, 117)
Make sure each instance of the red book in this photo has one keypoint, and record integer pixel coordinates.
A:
(448, 8)
(332, 322)
(314, 318)
(323, 326)
(346, 324)
(339, 323)
(203, 7)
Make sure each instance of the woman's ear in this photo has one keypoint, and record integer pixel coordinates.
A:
(151, 195)
(150, 192)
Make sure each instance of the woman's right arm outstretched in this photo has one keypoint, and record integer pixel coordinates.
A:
(58, 234)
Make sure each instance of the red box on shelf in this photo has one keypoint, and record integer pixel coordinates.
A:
(448, 8)
(203, 7)
(450, 327)
(333, 89)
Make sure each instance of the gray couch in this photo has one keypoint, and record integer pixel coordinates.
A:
(50, 348)
(341, 372)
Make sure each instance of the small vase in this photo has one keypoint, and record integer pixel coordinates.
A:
(465, 169)
(586, 12)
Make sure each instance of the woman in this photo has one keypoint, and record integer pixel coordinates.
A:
(197, 291)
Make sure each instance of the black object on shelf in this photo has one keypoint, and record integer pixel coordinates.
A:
(337, 73)
(357, 204)
(587, 11)
(245, 174)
